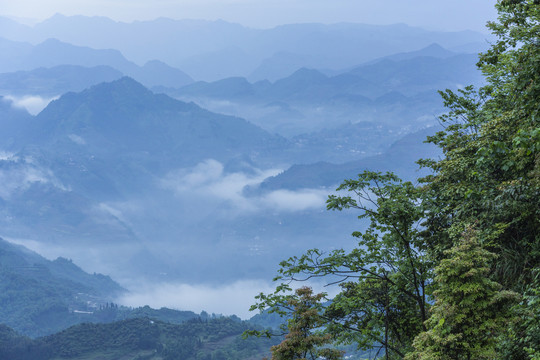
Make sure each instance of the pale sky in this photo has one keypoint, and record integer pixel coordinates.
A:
(430, 14)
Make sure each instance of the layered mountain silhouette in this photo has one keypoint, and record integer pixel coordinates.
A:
(122, 122)
(160, 187)
(400, 159)
(212, 50)
(22, 56)
(412, 75)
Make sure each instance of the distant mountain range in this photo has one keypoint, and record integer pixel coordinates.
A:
(411, 74)
(22, 58)
(370, 104)
(399, 159)
(212, 50)
(117, 166)
(160, 185)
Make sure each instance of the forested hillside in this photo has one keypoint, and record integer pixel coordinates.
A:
(139, 338)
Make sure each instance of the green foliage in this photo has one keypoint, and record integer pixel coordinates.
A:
(141, 338)
(470, 310)
(38, 296)
(490, 172)
(486, 283)
(384, 280)
(523, 334)
(302, 340)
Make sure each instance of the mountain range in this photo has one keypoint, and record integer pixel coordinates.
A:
(212, 50)
(23, 58)
(185, 191)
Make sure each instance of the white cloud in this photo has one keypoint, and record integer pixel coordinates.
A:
(229, 299)
(12, 180)
(18, 175)
(208, 179)
(7, 156)
(287, 200)
(77, 139)
(32, 103)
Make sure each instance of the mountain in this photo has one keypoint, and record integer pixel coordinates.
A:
(109, 140)
(15, 346)
(433, 50)
(40, 296)
(212, 50)
(280, 65)
(73, 168)
(400, 158)
(23, 56)
(395, 95)
(157, 73)
(122, 119)
(419, 74)
(410, 76)
(52, 52)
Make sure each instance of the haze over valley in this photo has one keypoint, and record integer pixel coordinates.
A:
(186, 158)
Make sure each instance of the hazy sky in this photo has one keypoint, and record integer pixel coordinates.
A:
(432, 14)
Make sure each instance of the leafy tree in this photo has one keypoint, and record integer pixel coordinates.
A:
(303, 341)
(470, 309)
(384, 280)
(522, 340)
(489, 175)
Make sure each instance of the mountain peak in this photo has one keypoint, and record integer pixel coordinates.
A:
(305, 72)
(125, 89)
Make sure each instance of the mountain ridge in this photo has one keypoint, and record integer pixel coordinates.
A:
(333, 46)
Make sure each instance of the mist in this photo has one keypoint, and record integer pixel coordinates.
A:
(226, 299)
(265, 13)
(152, 184)
(212, 185)
(32, 103)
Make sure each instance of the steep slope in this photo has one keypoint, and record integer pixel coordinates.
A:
(39, 296)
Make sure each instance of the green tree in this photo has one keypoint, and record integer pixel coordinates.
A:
(470, 308)
(303, 341)
(384, 280)
(489, 175)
